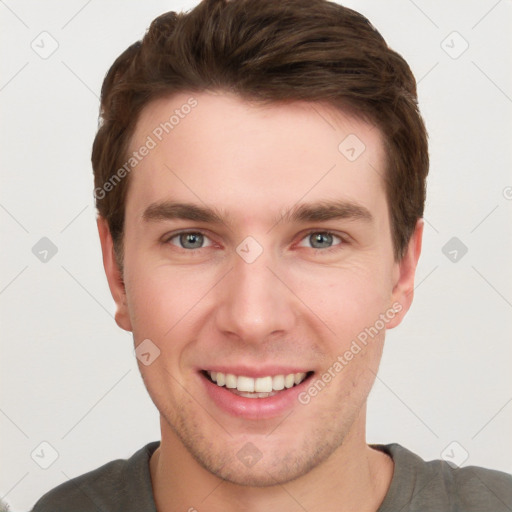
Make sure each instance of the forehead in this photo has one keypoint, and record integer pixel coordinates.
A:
(215, 148)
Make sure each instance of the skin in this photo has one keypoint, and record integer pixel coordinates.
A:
(295, 305)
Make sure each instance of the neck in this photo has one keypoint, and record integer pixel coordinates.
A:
(354, 477)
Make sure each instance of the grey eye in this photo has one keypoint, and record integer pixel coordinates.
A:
(321, 240)
(189, 240)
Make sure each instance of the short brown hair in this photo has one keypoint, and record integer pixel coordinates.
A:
(270, 52)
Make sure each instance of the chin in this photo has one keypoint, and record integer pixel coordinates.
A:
(274, 465)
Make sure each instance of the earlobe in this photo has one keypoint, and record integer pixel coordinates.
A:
(403, 290)
(114, 277)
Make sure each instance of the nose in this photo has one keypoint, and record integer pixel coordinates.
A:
(254, 303)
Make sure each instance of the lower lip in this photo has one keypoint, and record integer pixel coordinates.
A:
(253, 408)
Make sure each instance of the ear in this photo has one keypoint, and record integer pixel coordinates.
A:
(114, 277)
(403, 289)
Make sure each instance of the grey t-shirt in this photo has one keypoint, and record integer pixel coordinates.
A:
(416, 486)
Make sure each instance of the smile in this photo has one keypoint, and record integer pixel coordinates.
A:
(259, 387)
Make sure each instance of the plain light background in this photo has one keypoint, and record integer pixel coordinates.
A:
(68, 373)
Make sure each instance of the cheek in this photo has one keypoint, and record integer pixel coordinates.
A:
(347, 298)
(160, 297)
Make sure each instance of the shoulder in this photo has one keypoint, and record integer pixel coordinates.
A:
(480, 487)
(421, 485)
(114, 484)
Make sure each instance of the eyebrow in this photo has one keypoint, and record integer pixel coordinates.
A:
(307, 212)
(169, 210)
(327, 210)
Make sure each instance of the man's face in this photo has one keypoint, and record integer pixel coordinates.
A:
(256, 246)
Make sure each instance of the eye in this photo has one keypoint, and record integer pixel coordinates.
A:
(190, 240)
(320, 240)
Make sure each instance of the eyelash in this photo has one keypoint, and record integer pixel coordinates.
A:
(338, 246)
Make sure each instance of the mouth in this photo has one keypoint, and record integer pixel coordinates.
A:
(256, 387)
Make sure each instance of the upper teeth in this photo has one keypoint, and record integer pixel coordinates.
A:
(258, 385)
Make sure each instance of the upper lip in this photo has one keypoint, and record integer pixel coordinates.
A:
(255, 372)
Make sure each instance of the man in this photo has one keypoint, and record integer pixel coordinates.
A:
(260, 181)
